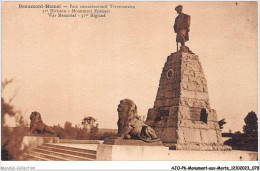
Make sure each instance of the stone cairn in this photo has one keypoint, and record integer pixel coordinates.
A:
(182, 115)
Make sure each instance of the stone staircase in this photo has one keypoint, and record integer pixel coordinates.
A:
(60, 152)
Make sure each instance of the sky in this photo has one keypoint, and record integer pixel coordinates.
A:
(68, 68)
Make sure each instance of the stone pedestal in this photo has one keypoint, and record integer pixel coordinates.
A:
(107, 152)
(182, 115)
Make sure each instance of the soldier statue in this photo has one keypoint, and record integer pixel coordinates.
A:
(181, 27)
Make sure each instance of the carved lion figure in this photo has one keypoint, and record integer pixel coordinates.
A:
(38, 125)
(129, 124)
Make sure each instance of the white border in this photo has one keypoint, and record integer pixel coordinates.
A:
(123, 165)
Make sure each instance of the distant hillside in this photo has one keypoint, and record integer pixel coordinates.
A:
(107, 130)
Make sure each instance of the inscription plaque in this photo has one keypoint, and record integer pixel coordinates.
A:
(195, 114)
(164, 112)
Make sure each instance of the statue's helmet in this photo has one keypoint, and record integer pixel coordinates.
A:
(179, 7)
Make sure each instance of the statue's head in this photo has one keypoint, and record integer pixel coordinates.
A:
(127, 107)
(179, 9)
(35, 117)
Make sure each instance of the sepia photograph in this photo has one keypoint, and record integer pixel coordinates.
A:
(145, 81)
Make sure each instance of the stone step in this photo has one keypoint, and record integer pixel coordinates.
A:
(30, 157)
(70, 152)
(54, 155)
(48, 157)
(63, 147)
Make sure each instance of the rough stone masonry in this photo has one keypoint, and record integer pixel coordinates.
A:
(182, 116)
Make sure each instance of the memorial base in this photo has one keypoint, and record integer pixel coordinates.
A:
(106, 152)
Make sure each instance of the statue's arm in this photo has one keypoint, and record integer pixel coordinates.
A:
(175, 26)
(188, 23)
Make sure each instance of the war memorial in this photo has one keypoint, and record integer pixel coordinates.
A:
(180, 126)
